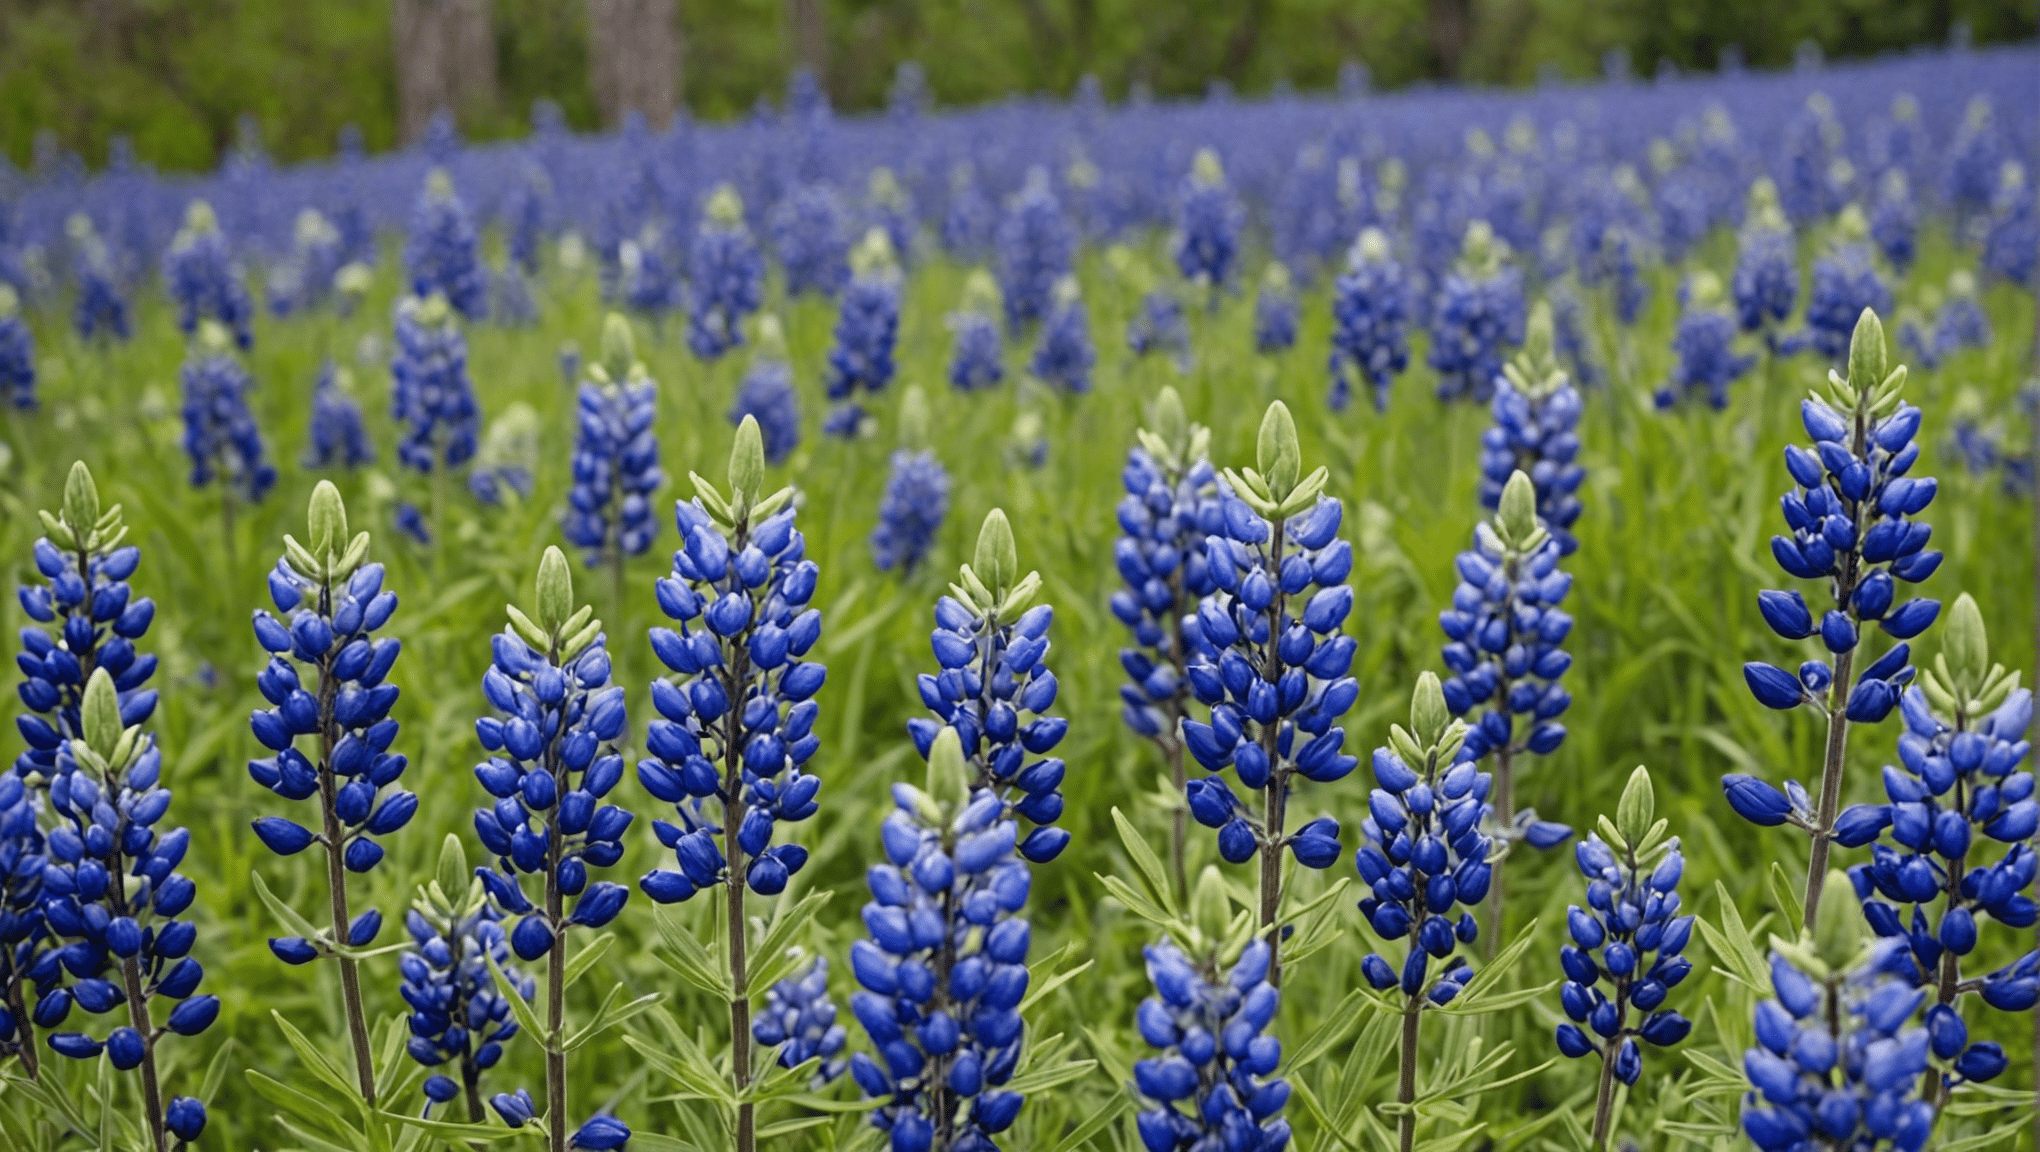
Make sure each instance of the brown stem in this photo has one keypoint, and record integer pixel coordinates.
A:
(1830, 784)
(555, 997)
(471, 1086)
(738, 667)
(1406, 1087)
(138, 1017)
(25, 1024)
(336, 878)
(1276, 798)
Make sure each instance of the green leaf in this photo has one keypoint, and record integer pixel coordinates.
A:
(685, 955)
(1150, 865)
(579, 963)
(318, 1063)
(1481, 994)
(527, 1016)
(610, 1015)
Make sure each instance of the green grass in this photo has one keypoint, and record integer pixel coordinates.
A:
(1679, 509)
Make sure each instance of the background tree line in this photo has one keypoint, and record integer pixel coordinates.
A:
(177, 75)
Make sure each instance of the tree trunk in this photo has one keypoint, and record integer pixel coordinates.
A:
(446, 61)
(634, 58)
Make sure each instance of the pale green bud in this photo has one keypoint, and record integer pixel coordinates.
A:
(1517, 516)
(81, 499)
(1966, 645)
(1428, 713)
(326, 520)
(619, 347)
(1277, 453)
(1636, 809)
(99, 714)
(997, 559)
(1866, 352)
(725, 208)
(747, 465)
(1838, 927)
(555, 590)
(949, 775)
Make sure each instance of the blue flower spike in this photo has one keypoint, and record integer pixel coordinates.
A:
(1269, 657)
(616, 455)
(1536, 432)
(552, 763)
(1478, 317)
(977, 350)
(867, 331)
(916, 499)
(943, 969)
(120, 943)
(994, 688)
(735, 731)
(460, 1018)
(1840, 1057)
(1624, 956)
(1954, 848)
(1171, 505)
(1214, 1083)
(728, 276)
(327, 685)
(1427, 862)
(1852, 513)
(1370, 312)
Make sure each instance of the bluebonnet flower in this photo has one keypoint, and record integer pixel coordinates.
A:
(530, 207)
(1171, 505)
(1960, 787)
(1035, 251)
(995, 689)
(1813, 142)
(1851, 514)
(23, 938)
(204, 281)
(1214, 1086)
(799, 1020)
(648, 273)
(969, 219)
(1705, 346)
(2011, 240)
(1370, 304)
(1064, 356)
(569, 360)
(1630, 935)
(1477, 319)
(1537, 414)
(616, 454)
(945, 966)
(1960, 322)
(1505, 632)
(1423, 854)
(1766, 281)
(766, 394)
(867, 328)
(84, 615)
(1838, 1059)
(1894, 221)
(1275, 312)
(1569, 330)
(460, 1015)
(810, 236)
(1206, 242)
(1158, 326)
(891, 210)
(1610, 258)
(738, 727)
(111, 903)
(1975, 159)
(304, 279)
(916, 499)
(409, 520)
(17, 354)
(735, 731)
(552, 762)
(728, 276)
(327, 682)
(1845, 283)
(338, 437)
(431, 397)
(977, 351)
(220, 435)
(1269, 657)
(442, 254)
(102, 306)
(508, 454)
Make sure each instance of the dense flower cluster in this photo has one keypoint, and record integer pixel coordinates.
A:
(915, 503)
(976, 358)
(1477, 319)
(552, 761)
(616, 459)
(1214, 1086)
(17, 355)
(102, 307)
(1630, 936)
(1766, 281)
(799, 1020)
(1840, 1064)
(2011, 243)
(1171, 504)
(1275, 312)
(431, 398)
(810, 235)
(867, 330)
(1845, 283)
(1064, 357)
(994, 690)
(737, 728)
(327, 680)
(1536, 431)
(204, 281)
(220, 435)
(727, 277)
(1206, 242)
(943, 973)
(1158, 326)
(1705, 346)
(1035, 252)
(441, 255)
(338, 438)
(766, 394)
(459, 1015)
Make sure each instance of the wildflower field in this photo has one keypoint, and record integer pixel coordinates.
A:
(1173, 598)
